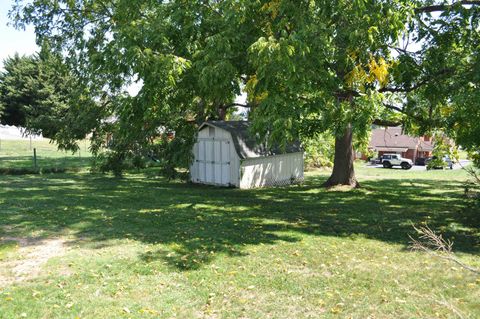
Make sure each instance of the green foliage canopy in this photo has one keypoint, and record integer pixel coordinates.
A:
(17, 89)
(307, 66)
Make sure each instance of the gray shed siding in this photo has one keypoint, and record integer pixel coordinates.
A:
(215, 148)
(272, 170)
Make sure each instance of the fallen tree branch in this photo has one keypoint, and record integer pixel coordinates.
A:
(435, 245)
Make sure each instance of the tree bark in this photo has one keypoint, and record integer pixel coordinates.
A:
(343, 172)
(222, 113)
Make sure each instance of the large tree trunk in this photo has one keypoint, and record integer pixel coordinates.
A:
(343, 172)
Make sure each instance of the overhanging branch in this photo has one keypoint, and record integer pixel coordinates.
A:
(430, 78)
(381, 122)
(394, 108)
(445, 7)
(403, 90)
(401, 110)
(227, 106)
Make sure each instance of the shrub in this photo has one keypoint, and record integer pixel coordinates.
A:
(319, 151)
(436, 162)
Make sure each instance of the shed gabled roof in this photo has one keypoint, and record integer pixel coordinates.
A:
(246, 144)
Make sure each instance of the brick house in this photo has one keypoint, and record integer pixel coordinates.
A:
(392, 140)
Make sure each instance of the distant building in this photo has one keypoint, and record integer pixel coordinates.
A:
(392, 140)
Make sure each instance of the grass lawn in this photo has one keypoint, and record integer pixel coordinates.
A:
(18, 156)
(6, 247)
(142, 247)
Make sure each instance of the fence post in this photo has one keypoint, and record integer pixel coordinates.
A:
(35, 158)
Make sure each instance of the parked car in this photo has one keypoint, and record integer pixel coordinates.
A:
(435, 163)
(390, 160)
(449, 161)
(375, 161)
(421, 161)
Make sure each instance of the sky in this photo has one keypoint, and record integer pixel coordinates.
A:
(12, 40)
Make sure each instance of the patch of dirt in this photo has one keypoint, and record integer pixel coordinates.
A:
(32, 254)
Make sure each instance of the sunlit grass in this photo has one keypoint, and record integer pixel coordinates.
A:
(17, 156)
(143, 247)
(7, 247)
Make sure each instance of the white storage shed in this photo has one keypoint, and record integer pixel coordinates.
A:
(225, 154)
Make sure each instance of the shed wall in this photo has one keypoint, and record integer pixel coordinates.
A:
(272, 170)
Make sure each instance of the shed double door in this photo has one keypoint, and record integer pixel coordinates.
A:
(213, 159)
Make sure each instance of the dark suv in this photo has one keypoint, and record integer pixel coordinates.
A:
(421, 161)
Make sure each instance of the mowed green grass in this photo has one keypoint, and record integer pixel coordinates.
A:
(142, 247)
(18, 155)
(6, 247)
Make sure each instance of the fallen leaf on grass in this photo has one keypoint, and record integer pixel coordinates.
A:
(149, 311)
(336, 310)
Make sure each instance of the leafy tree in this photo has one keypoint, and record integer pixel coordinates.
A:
(345, 65)
(16, 89)
(307, 66)
(445, 93)
(320, 66)
(39, 93)
(189, 56)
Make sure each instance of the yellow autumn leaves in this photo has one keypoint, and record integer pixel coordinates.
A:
(375, 70)
(255, 97)
(272, 7)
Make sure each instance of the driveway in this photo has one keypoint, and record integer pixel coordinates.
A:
(459, 165)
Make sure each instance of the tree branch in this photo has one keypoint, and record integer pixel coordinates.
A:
(432, 77)
(435, 245)
(445, 7)
(403, 90)
(381, 122)
(227, 106)
(404, 51)
(393, 107)
(400, 110)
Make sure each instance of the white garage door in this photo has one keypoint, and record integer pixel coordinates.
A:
(213, 161)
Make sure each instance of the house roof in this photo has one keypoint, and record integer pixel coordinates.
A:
(246, 145)
(393, 138)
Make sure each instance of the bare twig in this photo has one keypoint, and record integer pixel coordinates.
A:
(444, 302)
(434, 244)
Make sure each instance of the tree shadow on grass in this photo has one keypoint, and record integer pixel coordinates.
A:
(195, 223)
